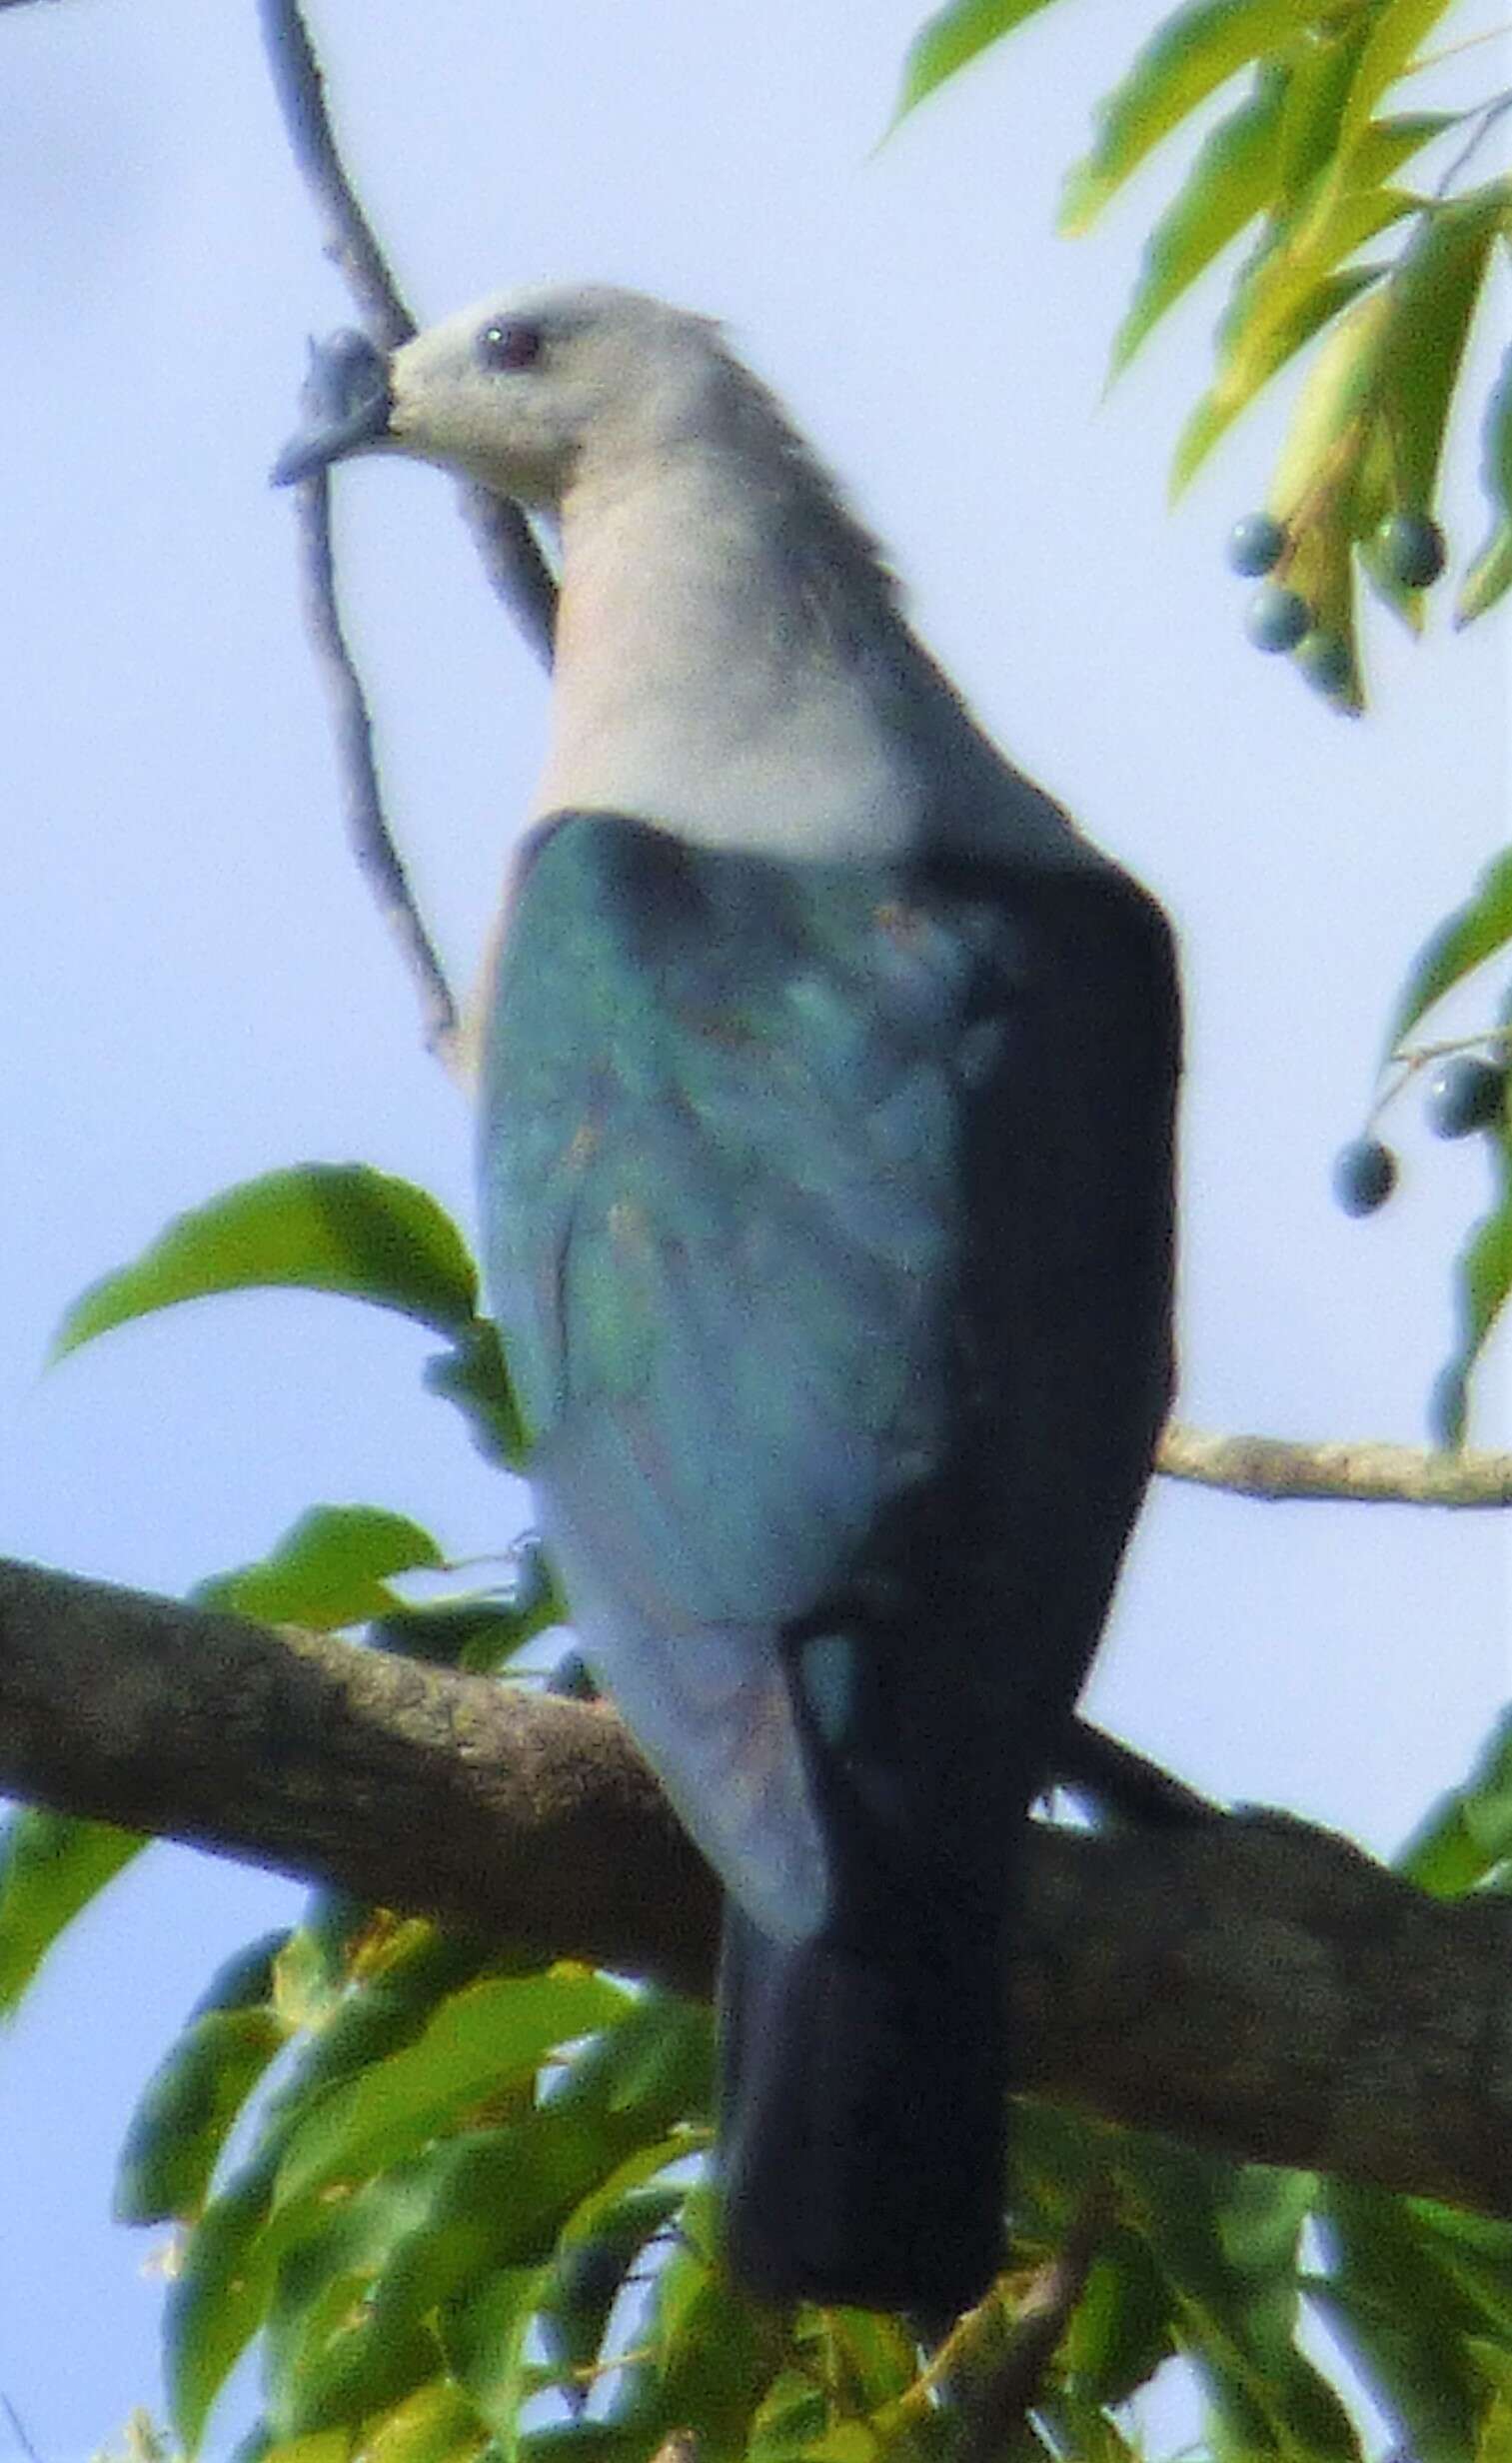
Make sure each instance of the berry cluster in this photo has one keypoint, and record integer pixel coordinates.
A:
(1463, 1095)
(1407, 550)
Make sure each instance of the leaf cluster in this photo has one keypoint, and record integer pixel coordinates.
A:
(461, 2204)
(1305, 165)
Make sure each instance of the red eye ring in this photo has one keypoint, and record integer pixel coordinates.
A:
(508, 343)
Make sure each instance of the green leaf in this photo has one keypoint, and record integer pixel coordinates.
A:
(1398, 29)
(715, 2352)
(329, 2357)
(1434, 289)
(953, 36)
(484, 2339)
(323, 1228)
(479, 2039)
(1228, 184)
(1482, 1280)
(184, 2114)
(1474, 933)
(328, 1572)
(1189, 55)
(1412, 2286)
(1467, 1834)
(473, 1375)
(216, 2303)
(1336, 383)
(435, 2424)
(1490, 577)
(51, 1866)
(1225, 2239)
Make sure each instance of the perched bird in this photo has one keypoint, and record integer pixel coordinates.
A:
(825, 1173)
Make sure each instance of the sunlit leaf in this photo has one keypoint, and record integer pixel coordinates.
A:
(477, 2041)
(1228, 184)
(323, 1228)
(1189, 55)
(51, 1866)
(1398, 29)
(330, 1570)
(1468, 1832)
(951, 38)
(1464, 940)
(484, 2339)
(1482, 1281)
(1337, 381)
(436, 2424)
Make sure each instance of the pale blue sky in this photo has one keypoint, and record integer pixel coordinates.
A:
(196, 987)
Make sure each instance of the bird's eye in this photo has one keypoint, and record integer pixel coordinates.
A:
(507, 343)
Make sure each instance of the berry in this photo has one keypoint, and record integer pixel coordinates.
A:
(1463, 1096)
(1411, 550)
(1255, 544)
(1325, 662)
(1365, 1175)
(1277, 618)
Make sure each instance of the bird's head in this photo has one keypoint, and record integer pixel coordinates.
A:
(519, 390)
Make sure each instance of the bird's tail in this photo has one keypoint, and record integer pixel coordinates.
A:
(862, 2118)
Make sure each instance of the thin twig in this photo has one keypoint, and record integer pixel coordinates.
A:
(1364, 1473)
(349, 238)
(510, 554)
(18, 2429)
(1486, 119)
(512, 559)
(372, 842)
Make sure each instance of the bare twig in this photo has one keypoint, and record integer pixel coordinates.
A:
(372, 840)
(1358, 1472)
(350, 242)
(508, 546)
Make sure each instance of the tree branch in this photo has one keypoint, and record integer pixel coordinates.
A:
(1249, 1982)
(1357, 1471)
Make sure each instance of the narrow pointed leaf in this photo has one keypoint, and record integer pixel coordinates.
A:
(951, 38)
(1482, 1281)
(217, 2302)
(436, 2424)
(1468, 1833)
(1329, 301)
(1491, 573)
(478, 2040)
(51, 1866)
(1228, 184)
(331, 1569)
(1395, 38)
(1191, 55)
(1474, 933)
(323, 1228)
(1435, 289)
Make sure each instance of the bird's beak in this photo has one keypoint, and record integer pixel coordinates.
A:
(346, 401)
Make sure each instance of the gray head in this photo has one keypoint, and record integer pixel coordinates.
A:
(522, 389)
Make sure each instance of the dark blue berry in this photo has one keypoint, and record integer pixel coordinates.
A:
(1277, 618)
(1365, 1175)
(1325, 662)
(1255, 544)
(1463, 1096)
(1411, 550)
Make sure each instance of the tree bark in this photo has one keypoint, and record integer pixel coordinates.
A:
(1250, 1982)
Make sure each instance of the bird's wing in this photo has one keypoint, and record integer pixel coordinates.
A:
(757, 1213)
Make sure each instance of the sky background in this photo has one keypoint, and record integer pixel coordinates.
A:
(194, 987)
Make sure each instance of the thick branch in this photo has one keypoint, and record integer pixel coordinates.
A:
(1354, 1470)
(1249, 1981)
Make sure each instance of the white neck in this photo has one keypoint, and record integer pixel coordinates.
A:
(721, 643)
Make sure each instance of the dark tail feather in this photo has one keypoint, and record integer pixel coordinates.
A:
(862, 2119)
